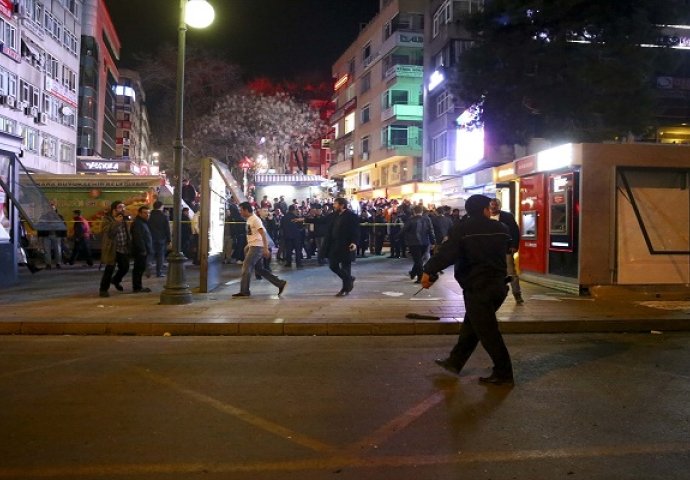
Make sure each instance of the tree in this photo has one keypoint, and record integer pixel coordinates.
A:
(207, 78)
(562, 69)
(247, 125)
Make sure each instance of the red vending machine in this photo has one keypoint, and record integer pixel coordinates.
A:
(533, 234)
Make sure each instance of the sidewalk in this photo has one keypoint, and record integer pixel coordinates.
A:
(66, 302)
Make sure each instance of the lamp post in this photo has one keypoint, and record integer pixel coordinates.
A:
(197, 14)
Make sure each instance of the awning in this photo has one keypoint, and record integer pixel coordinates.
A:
(295, 180)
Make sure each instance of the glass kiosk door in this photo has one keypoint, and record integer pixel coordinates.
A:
(563, 221)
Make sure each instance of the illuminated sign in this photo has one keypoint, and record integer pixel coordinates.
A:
(555, 158)
(435, 80)
(10, 53)
(469, 148)
(341, 81)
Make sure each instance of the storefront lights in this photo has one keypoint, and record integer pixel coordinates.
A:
(555, 158)
(199, 14)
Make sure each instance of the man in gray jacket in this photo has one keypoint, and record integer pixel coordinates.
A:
(418, 233)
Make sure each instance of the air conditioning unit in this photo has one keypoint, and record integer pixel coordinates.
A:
(11, 101)
(365, 155)
(41, 118)
(22, 105)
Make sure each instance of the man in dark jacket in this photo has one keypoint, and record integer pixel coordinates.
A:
(291, 232)
(478, 248)
(508, 220)
(418, 233)
(142, 247)
(159, 225)
(341, 243)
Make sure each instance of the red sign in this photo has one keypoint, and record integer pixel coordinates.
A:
(7, 8)
(526, 165)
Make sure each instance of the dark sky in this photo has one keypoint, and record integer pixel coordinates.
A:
(282, 39)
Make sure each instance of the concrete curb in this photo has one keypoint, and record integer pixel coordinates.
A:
(334, 328)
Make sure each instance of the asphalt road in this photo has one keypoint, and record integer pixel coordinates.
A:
(598, 406)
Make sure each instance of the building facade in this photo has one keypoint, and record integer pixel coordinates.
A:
(100, 50)
(39, 65)
(377, 147)
(133, 134)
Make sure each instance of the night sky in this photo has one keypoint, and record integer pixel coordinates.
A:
(281, 39)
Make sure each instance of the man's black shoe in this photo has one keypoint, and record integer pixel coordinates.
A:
(446, 364)
(103, 293)
(342, 293)
(241, 294)
(352, 284)
(143, 290)
(412, 275)
(282, 287)
(494, 379)
(118, 286)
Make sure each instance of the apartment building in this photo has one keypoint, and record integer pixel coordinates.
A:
(39, 65)
(377, 150)
(98, 78)
(132, 141)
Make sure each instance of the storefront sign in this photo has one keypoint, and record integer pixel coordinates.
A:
(5, 50)
(99, 166)
(526, 165)
(31, 26)
(61, 92)
(6, 8)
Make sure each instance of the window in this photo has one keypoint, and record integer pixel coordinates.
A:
(29, 94)
(398, 135)
(349, 123)
(69, 79)
(49, 146)
(365, 146)
(351, 67)
(366, 54)
(350, 150)
(52, 67)
(365, 114)
(30, 138)
(8, 83)
(7, 125)
(444, 103)
(365, 84)
(67, 153)
(442, 16)
(439, 147)
(395, 97)
(8, 35)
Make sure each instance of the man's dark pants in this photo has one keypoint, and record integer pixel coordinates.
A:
(417, 252)
(122, 261)
(138, 271)
(343, 268)
(481, 325)
(159, 249)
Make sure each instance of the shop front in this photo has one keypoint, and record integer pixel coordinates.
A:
(596, 216)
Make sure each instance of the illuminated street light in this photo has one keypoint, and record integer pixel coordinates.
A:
(198, 14)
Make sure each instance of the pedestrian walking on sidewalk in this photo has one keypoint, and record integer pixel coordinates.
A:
(115, 247)
(81, 234)
(508, 220)
(477, 247)
(142, 248)
(340, 244)
(255, 251)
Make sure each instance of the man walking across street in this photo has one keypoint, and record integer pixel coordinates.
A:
(477, 247)
(508, 220)
(159, 225)
(142, 248)
(257, 248)
(341, 243)
(419, 234)
(114, 247)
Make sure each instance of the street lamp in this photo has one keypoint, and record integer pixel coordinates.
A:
(197, 14)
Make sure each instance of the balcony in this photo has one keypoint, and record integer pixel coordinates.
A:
(404, 71)
(413, 148)
(403, 39)
(411, 113)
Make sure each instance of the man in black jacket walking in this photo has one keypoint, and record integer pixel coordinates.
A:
(508, 220)
(142, 247)
(160, 233)
(341, 243)
(477, 246)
